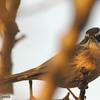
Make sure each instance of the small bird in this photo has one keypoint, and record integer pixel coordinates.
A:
(86, 53)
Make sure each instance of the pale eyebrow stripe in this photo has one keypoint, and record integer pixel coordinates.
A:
(97, 33)
(87, 35)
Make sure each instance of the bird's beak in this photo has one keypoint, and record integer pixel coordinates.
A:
(93, 43)
(92, 39)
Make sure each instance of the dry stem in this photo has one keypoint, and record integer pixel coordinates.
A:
(8, 31)
(68, 43)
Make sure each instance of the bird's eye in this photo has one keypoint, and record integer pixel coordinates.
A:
(85, 40)
(98, 38)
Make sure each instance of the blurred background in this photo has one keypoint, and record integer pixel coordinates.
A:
(44, 23)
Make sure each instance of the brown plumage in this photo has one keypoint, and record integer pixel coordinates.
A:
(86, 54)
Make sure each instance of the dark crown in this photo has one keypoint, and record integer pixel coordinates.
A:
(93, 30)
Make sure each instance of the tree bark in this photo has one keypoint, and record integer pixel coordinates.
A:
(8, 31)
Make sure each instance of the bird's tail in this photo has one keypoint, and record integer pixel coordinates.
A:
(27, 75)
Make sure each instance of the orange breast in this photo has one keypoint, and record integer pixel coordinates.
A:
(85, 59)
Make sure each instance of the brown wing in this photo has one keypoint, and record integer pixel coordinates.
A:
(35, 72)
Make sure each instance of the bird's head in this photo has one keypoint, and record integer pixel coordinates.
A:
(92, 38)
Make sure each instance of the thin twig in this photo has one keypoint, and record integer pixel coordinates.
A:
(31, 92)
(68, 43)
(67, 96)
(83, 85)
(72, 94)
(20, 38)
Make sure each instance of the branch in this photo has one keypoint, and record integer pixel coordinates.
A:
(72, 94)
(44, 5)
(33, 98)
(8, 31)
(20, 38)
(83, 85)
(31, 92)
(69, 40)
(12, 7)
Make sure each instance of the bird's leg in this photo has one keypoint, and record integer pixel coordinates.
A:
(31, 92)
(72, 94)
(83, 85)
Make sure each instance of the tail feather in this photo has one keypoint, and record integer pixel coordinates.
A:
(27, 75)
(8, 79)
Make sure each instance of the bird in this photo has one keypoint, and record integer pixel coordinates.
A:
(86, 53)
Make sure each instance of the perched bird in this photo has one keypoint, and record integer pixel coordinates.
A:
(86, 53)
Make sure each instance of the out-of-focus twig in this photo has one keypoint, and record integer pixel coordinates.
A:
(33, 98)
(12, 7)
(68, 43)
(82, 14)
(36, 8)
(8, 31)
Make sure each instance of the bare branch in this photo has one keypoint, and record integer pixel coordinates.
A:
(31, 92)
(20, 38)
(83, 85)
(44, 5)
(12, 7)
(72, 94)
(68, 44)
(8, 31)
